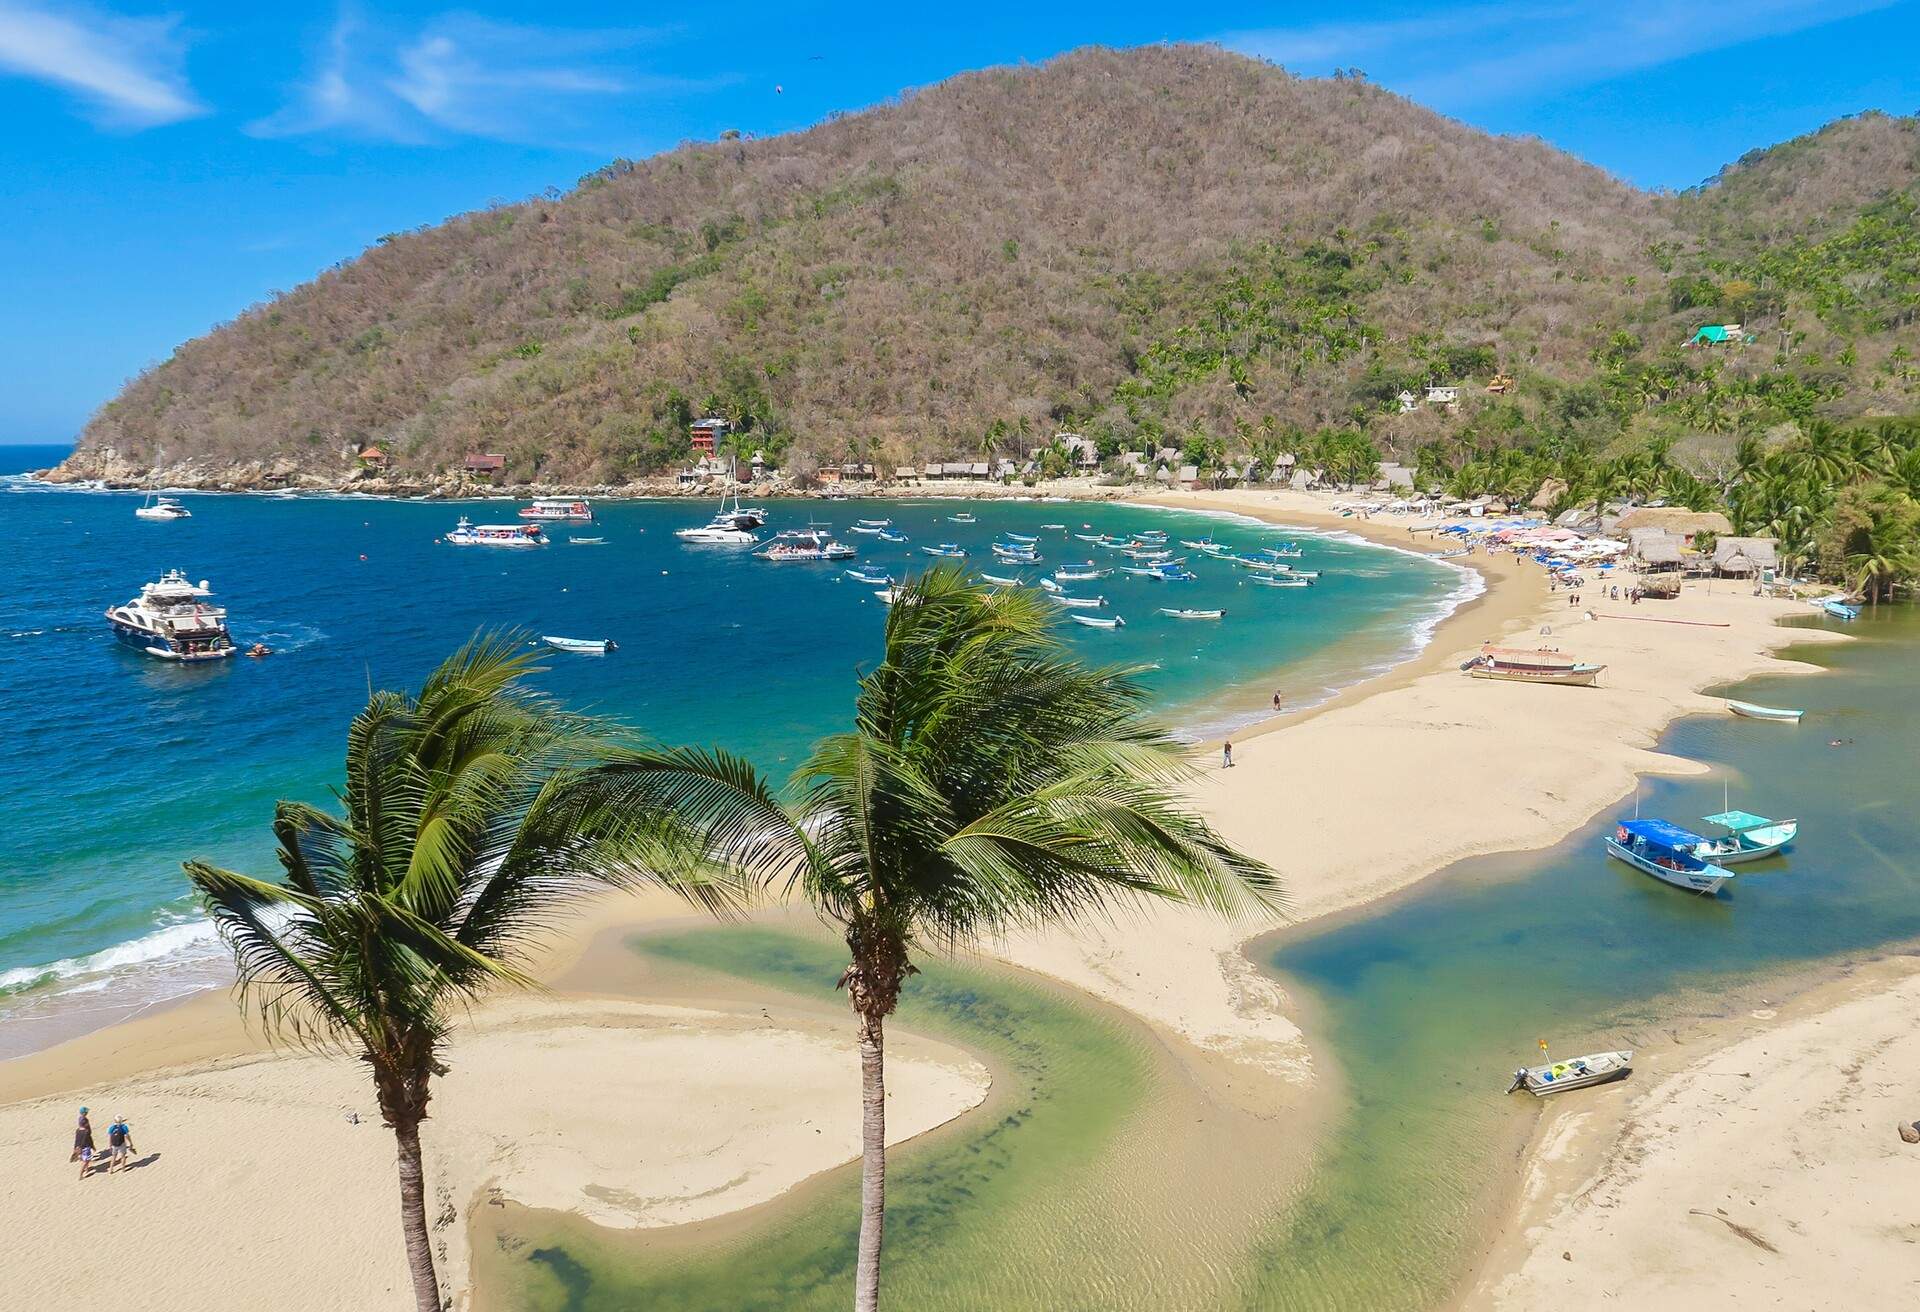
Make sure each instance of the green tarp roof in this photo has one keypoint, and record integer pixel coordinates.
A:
(1738, 820)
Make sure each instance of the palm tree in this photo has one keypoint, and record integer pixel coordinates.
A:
(989, 782)
(470, 812)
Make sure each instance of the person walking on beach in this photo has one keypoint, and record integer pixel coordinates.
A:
(1276, 699)
(119, 1145)
(1226, 756)
(83, 1144)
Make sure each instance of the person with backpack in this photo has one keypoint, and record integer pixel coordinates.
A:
(119, 1145)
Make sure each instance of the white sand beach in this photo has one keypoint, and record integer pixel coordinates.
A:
(1767, 1174)
(637, 1114)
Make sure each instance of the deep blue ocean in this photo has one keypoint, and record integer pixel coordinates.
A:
(119, 765)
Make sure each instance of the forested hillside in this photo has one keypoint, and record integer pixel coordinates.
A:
(1168, 245)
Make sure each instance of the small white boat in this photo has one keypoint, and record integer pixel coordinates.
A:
(865, 528)
(875, 523)
(1097, 538)
(1289, 571)
(890, 595)
(1532, 667)
(1051, 586)
(892, 537)
(582, 646)
(1752, 712)
(871, 577)
(1080, 603)
(1096, 622)
(1021, 537)
(946, 550)
(162, 508)
(1574, 1073)
(588, 542)
(1280, 581)
(1001, 580)
(1193, 614)
(1061, 527)
(962, 518)
(1667, 852)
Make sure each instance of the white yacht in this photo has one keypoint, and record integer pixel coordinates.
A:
(730, 526)
(162, 508)
(172, 620)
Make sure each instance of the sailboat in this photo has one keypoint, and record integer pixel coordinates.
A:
(733, 527)
(161, 508)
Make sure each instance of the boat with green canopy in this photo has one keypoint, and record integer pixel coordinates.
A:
(1749, 837)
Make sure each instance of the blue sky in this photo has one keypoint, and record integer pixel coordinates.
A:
(164, 167)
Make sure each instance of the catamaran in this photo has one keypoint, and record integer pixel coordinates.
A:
(1667, 852)
(814, 542)
(1574, 1073)
(1532, 667)
(468, 534)
(731, 526)
(171, 619)
(162, 508)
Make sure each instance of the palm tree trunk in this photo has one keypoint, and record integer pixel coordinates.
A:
(873, 1162)
(413, 1218)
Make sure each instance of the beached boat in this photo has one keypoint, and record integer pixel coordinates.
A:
(812, 543)
(583, 646)
(1574, 1073)
(946, 550)
(1080, 603)
(1840, 610)
(161, 508)
(556, 508)
(1532, 667)
(872, 577)
(1667, 852)
(1753, 712)
(1193, 614)
(171, 619)
(1097, 622)
(1749, 837)
(468, 534)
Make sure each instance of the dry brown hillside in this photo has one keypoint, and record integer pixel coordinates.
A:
(1159, 241)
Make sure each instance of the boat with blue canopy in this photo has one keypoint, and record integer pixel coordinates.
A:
(1667, 852)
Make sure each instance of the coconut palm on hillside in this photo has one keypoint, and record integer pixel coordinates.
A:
(469, 813)
(989, 782)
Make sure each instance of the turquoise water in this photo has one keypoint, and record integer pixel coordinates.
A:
(1430, 1003)
(121, 766)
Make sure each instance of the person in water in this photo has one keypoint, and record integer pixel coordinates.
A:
(83, 1144)
(119, 1145)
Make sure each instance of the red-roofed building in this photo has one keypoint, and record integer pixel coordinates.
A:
(372, 457)
(488, 466)
(707, 433)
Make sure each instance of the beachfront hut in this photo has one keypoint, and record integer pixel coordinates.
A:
(373, 459)
(1677, 520)
(1743, 557)
(1550, 491)
(484, 465)
(906, 474)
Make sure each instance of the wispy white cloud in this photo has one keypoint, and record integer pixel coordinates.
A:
(459, 75)
(127, 71)
(1493, 52)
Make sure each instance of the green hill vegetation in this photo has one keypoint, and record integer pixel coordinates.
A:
(1166, 247)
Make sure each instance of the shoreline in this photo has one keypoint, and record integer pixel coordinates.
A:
(1186, 976)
